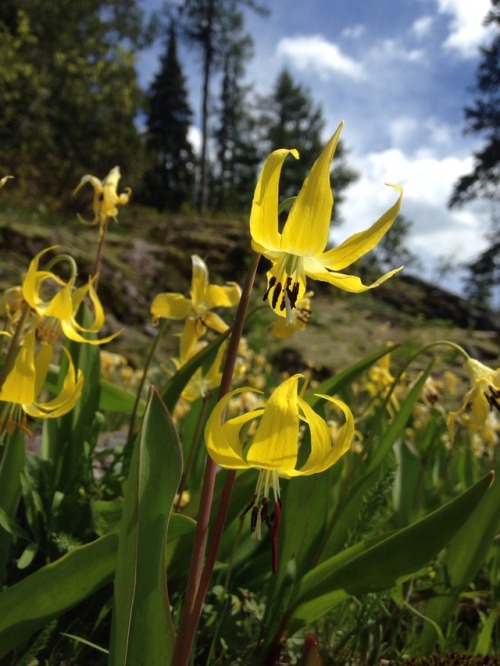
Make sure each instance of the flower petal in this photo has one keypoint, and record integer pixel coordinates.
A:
(308, 225)
(275, 444)
(264, 213)
(324, 452)
(223, 297)
(350, 283)
(19, 385)
(222, 439)
(199, 281)
(359, 244)
(171, 306)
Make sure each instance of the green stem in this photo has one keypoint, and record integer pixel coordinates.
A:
(133, 417)
(98, 256)
(192, 449)
(199, 577)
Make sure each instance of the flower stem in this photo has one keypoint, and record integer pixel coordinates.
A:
(199, 576)
(161, 330)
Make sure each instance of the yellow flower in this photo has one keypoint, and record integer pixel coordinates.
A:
(26, 379)
(60, 310)
(275, 447)
(281, 328)
(482, 400)
(299, 249)
(197, 310)
(106, 197)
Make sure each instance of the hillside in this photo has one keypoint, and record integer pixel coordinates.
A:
(147, 253)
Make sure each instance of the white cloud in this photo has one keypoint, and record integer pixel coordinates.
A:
(392, 49)
(427, 183)
(408, 132)
(353, 31)
(316, 53)
(422, 26)
(466, 25)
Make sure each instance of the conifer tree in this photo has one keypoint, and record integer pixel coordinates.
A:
(69, 93)
(204, 23)
(291, 119)
(169, 181)
(238, 155)
(483, 118)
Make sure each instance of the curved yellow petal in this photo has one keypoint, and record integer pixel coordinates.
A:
(308, 225)
(19, 385)
(362, 242)
(222, 439)
(213, 321)
(199, 281)
(223, 297)
(275, 445)
(171, 306)
(65, 401)
(42, 363)
(324, 452)
(264, 213)
(350, 283)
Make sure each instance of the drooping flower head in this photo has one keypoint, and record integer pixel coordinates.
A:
(25, 381)
(299, 249)
(197, 310)
(481, 404)
(106, 197)
(56, 302)
(277, 448)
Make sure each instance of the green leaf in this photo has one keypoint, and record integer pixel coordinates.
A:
(52, 590)
(462, 560)
(115, 398)
(345, 377)
(389, 562)
(11, 466)
(142, 629)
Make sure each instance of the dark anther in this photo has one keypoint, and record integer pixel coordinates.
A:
(276, 295)
(253, 518)
(271, 284)
(492, 398)
(283, 303)
(263, 513)
(249, 506)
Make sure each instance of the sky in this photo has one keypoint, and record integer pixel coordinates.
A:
(398, 73)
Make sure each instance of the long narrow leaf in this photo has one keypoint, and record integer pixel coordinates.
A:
(391, 561)
(44, 595)
(142, 630)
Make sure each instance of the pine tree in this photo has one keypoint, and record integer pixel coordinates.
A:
(169, 182)
(290, 119)
(484, 118)
(238, 156)
(69, 93)
(204, 23)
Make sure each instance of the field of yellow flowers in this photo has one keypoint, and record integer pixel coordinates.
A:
(209, 507)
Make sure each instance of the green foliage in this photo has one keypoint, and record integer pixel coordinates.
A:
(289, 118)
(169, 181)
(70, 92)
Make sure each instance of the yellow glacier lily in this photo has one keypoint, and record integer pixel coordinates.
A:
(106, 197)
(299, 249)
(275, 447)
(25, 381)
(483, 399)
(197, 310)
(60, 310)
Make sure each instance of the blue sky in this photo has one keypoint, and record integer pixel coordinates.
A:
(399, 73)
